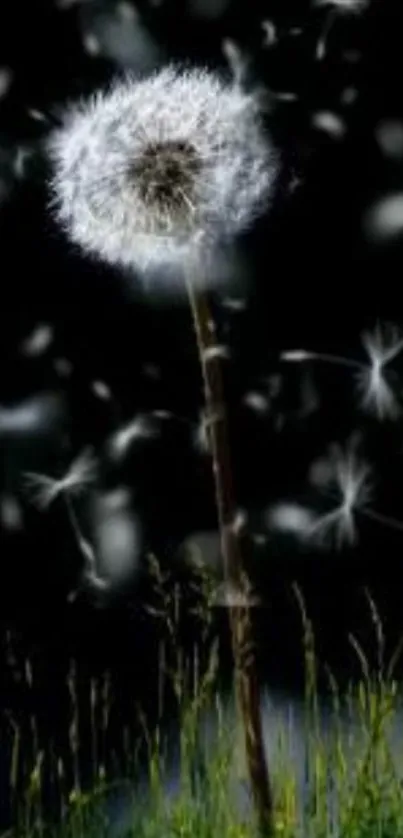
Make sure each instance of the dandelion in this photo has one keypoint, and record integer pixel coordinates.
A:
(164, 174)
(44, 489)
(153, 171)
(382, 345)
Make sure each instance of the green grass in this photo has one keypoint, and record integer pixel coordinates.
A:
(352, 786)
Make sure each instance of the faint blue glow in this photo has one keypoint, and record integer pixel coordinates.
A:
(33, 416)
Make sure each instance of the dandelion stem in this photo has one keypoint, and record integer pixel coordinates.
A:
(246, 680)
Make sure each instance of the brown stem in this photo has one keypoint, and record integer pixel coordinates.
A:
(247, 687)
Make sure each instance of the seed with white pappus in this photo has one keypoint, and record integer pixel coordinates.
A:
(151, 172)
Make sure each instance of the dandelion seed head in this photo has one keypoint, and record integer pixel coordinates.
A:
(150, 171)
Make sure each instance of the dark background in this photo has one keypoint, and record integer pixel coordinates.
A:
(316, 279)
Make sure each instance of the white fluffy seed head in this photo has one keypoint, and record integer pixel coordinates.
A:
(150, 171)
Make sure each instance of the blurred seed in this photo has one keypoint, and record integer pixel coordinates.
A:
(38, 341)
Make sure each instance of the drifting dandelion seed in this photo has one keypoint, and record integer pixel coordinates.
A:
(92, 44)
(6, 80)
(348, 96)
(37, 115)
(350, 481)
(336, 7)
(117, 535)
(38, 341)
(239, 522)
(285, 95)
(162, 414)
(257, 402)
(217, 351)
(21, 161)
(329, 123)
(11, 514)
(269, 33)
(260, 539)
(44, 490)
(291, 518)
(382, 346)
(238, 61)
(233, 304)
(152, 371)
(383, 220)
(297, 355)
(227, 596)
(159, 171)
(389, 136)
(139, 429)
(101, 390)
(344, 6)
(352, 56)
(63, 367)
